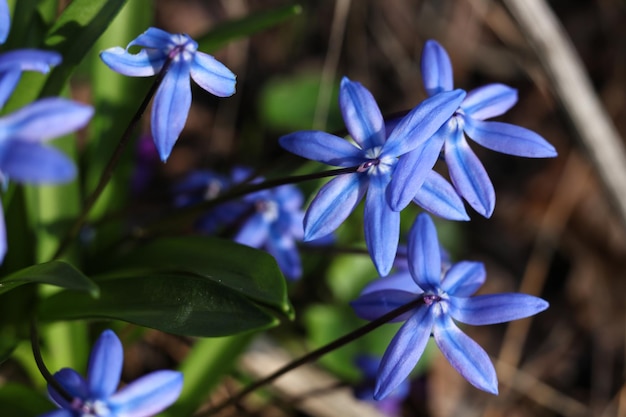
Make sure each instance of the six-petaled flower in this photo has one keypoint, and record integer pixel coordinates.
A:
(445, 292)
(467, 173)
(173, 98)
(96, 395)
(376, 155)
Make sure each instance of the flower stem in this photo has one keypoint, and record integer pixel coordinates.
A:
(112, 164)
(316, 354)
(232, 194)
(34, 341)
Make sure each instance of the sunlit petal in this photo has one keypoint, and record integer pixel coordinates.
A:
(33, 163)
(489, 101)
(361, 114)
(29, 60)
(148, 395)
(495, 308)
(436, 68)
(212, 75)
(424, 254)
(323, 147)
(105, 365)
(141, 64)
(438, 197)
(464, 278)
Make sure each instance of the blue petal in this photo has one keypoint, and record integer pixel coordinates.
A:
(148, 395)
(464, 278)
(404, 352)
(361, 114)
(154, 38)
(142, 64)
(33, 163)
(401, 281)
(29, 60)
(422, 122)
(73, 383)
(465, 355)
(3, 235)
(436, 68)
(411, 172)
(440, 198)
(45, 119)
(333, 204)
(5, 21)
(212, 75)
(382, 225)
(467, 173)
(105, 365)
(495, 308)
(489, 101)
(254, 232)
(171, 107)
(284, 250)
(289, 197)
(323, 147)
(424, 254)
(373, 305)
(509, 139)
(8, 82)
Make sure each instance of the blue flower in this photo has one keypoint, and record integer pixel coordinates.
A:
(389, 406)
(376, 155)
(173, 98)
(446, 295)
(96, 396)
(25, 158)
(467, 173)
(5, 21)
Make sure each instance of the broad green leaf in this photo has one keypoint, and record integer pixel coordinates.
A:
(229, 31)
(57, 273)
(182, 303)
(249, 272)
(18, 400)
(290, 103)
(203, 368)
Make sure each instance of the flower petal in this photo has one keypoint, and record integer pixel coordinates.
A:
(465, 355)
(73, 383)
(440, 198)
(212, 75)
(436, 68)
(33, 163)
(422, 122)
(45, 119)
(5, 21)
(489, 101)
(29, 60)
(401, 281)
(154, 38)
(105, 365)
(464, 278)
(141, 64)
(411, 172)
(509, 139)
(333, 204)
(361, 114)
(372, 305)
(8, 82)
(424, 254)
(148, 395)
(171, 107)
(495, 308)
(467, 173)
(403, 352)
(283, 248)
(254, 231)
(322, 147)
(382, 224)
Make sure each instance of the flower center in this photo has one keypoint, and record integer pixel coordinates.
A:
(182, 47)
(375, 164)
(268, 208)
(91, 408)
(430, 299)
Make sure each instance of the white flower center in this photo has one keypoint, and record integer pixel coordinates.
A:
(376, 165)
(91, 408)
(269, 210)
(182, 47)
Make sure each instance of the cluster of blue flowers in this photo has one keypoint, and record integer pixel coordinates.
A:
(392, 165)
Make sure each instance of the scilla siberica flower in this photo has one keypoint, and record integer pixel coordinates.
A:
(446, 295)
(173, 98)
(376, 155)
(467, 173)
(5, 21)
(96, 396)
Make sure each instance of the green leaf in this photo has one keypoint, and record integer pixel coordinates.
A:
(7, 346)
(20, 401)
(246, 26)
(182, 303)
(249, 272)
(57, 273)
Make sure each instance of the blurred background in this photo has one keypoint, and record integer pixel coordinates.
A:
(554, 233)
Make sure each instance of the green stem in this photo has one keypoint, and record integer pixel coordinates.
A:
(112, 164)
(316, 354)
